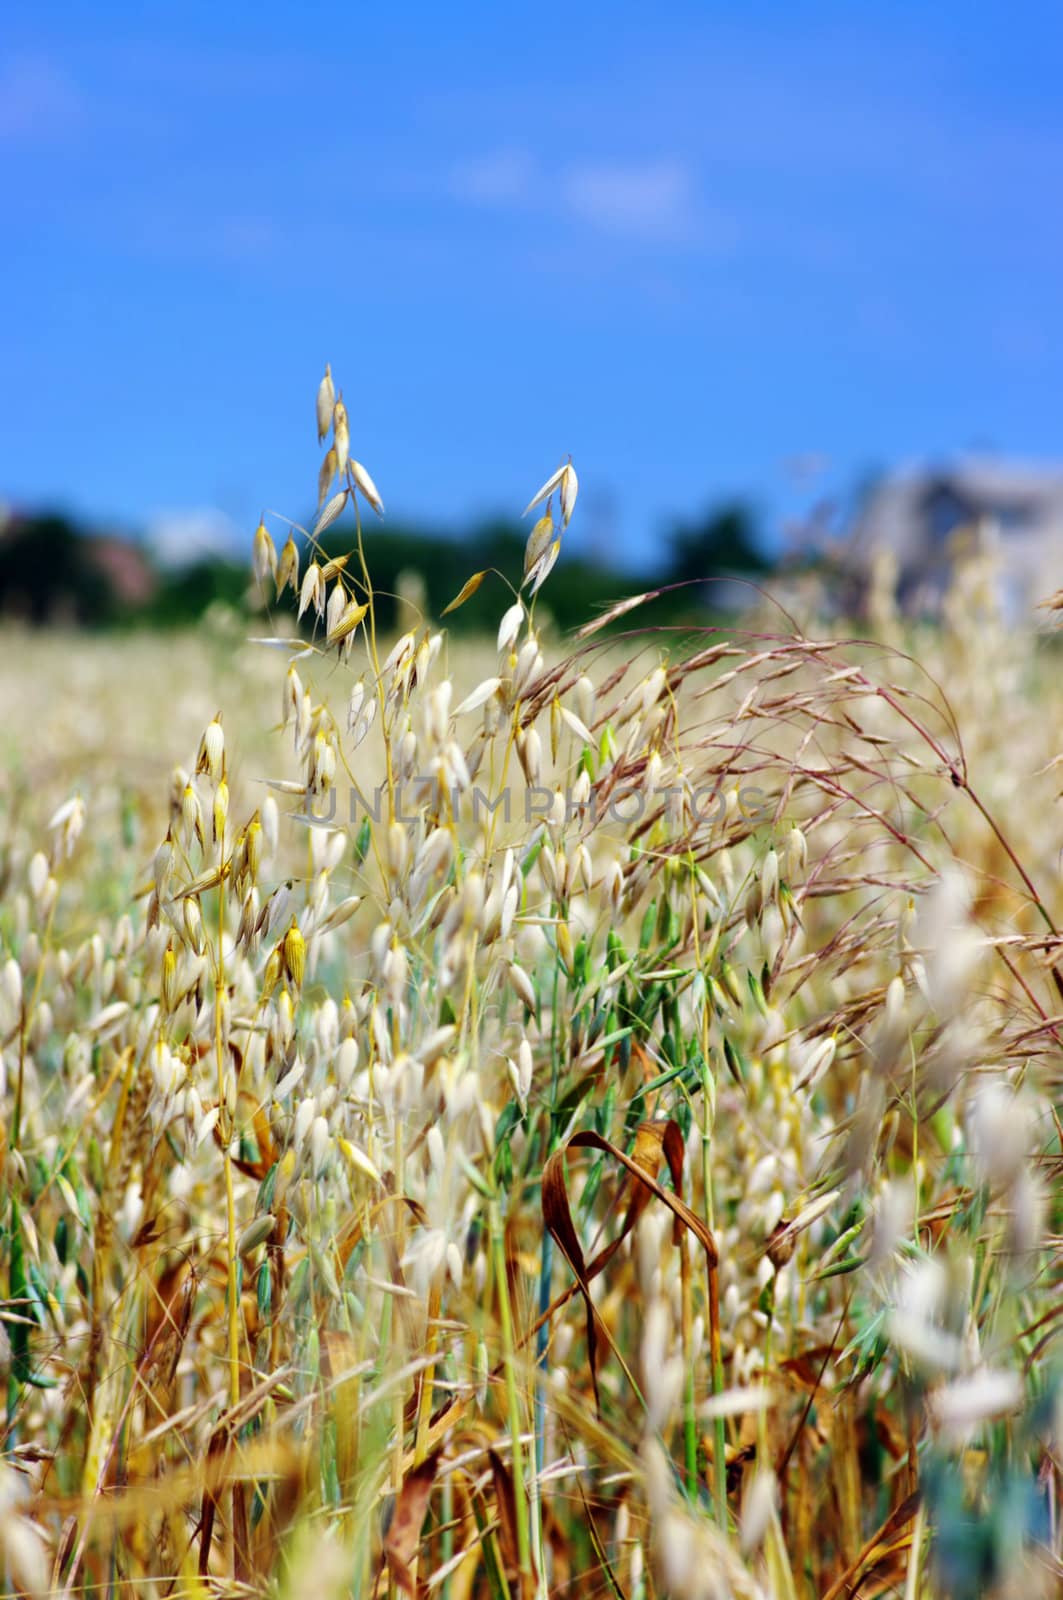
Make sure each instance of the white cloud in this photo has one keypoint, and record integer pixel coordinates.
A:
(181, 536)
(653, 199)
(38, 98)
(657, 201)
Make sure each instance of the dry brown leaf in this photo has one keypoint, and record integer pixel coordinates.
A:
(404, 1534)
(879, 1549)
(642, 1165)
(505, 1499)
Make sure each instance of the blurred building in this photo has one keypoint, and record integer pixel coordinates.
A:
(924, 519)
(125, 565)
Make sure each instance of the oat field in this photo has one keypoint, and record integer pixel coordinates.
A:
(531, 1116)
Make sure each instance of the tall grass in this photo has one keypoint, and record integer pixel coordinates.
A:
(579, 1120)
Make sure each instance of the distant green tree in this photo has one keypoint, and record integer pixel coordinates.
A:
(52, 569)
(722, 543)
(47, 573)
(185, 593)
(575, 591)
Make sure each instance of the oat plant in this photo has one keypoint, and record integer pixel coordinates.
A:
(539, 1117)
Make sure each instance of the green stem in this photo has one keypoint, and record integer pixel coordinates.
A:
(512, 1398)
(719, 1451)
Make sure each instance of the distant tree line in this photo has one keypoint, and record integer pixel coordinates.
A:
(52, 569)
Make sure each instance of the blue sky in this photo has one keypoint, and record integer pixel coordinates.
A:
(692, 245)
